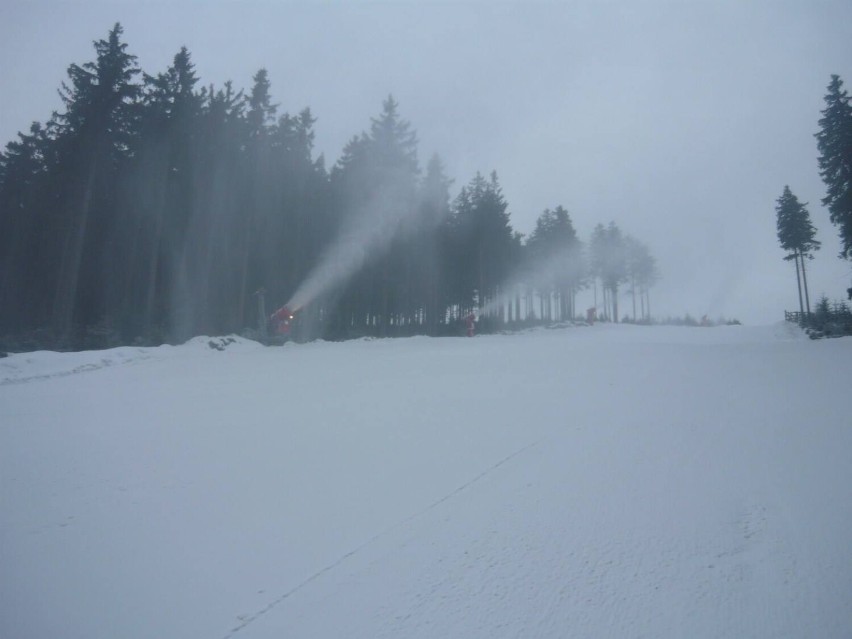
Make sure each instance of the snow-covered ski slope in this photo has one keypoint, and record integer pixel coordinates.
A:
(606, 481)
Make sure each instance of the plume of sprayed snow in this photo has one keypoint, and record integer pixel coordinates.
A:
(365, 235)
(559, 264)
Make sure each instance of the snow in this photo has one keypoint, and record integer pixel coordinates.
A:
(606, 481)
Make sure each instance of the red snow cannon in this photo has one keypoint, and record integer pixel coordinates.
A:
(282, 322)
(470, 323)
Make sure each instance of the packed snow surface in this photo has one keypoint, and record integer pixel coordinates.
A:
(606, 481)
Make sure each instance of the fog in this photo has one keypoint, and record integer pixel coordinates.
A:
(680, 121)
(364, 235)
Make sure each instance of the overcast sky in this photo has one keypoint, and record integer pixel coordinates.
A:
(680, 121)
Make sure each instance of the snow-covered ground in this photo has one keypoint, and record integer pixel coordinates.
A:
(607, 481)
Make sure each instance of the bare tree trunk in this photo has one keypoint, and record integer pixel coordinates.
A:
(154, 265)
(799, 284)
(385, 316)
(244, 268)
(633, 291)
(432, 311)
(615, 304)
(595, 284)
(805, 282)
(65, 301)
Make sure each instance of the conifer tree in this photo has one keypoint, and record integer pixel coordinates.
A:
(556, 259)
(375, 184)
(430, 242)
(609, 263)
(796, 235)
(638, 256)
(643, 273)
(95, 134)
(483, 243)
(834, 141)
(29, 243)
(163, 175)
(258, 184)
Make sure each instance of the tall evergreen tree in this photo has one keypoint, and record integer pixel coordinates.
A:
(796, 235)
(643, 274)
(834, 141)
(483, 243)
(374, 192)
(163, 180)
(259, 195)
(95, 134)
(637, 255)
(29, 238)
(556, 263)
(608, 262)
(295, 228)
(430, 242)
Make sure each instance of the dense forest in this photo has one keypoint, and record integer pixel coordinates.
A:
(152, 208)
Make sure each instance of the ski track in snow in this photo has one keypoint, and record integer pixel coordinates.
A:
(245, 620)
(622, 584)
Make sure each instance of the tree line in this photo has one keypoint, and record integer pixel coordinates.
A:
(152, 208)
(796, 232)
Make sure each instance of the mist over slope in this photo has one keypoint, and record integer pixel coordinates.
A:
(603, 481)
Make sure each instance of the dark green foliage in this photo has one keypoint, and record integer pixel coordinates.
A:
(689, 320)
(68, 211)
(482, 244)
(796, 235)
(828, 319)
(554, 261)
(152, 208)
(375, 184)
(834, 141)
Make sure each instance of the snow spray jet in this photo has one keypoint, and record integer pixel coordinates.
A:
(365, 235)
(548, 268)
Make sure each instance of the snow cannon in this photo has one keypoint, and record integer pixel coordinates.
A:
(281, 322)
(470, 323)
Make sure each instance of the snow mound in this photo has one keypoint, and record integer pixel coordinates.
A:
(222, 343)
(40, 365)
(788, 331)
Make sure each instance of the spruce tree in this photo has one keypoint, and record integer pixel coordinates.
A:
(834, 141)
(430, 242)
(374, 196)
(796, 235)
(164, 173)
(644, 274)
(609, 263)
(556, 263)
(29, 242)
(483, 243)
(95, 133)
